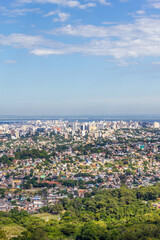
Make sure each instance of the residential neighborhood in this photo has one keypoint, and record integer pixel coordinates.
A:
(42, 162)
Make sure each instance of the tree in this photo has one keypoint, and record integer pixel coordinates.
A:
(93, 231)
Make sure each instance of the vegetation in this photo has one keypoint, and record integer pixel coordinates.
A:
(6, 160)
(112, 214)
(12, 230)
(34, 153)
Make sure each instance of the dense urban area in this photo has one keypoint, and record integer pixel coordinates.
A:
(80, 180)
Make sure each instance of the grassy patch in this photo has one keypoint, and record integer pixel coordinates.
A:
(46, 216)
(12, 230)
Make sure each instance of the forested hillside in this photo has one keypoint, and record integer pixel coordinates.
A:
(109, 214)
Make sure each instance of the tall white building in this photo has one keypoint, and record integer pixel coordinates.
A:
(156, 125)
(75, 126)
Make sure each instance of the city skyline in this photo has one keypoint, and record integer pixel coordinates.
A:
(69, 57)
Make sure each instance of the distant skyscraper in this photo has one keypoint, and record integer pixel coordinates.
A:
(75, 126)
(83, 127)
(156, 125)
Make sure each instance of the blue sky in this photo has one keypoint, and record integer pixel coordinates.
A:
(79, 57)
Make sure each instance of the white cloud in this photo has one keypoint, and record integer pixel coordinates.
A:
(139, 39)
(142, 29)
(154, 3)
(51, 13)
(122, 42)
(62, 17)
(46, 52)
(18, 11)
(65, 3)
(87, 5)
(109, 23)
(104, 2)
(10, 61)
(22, 41)
(141, 12)
(82, 30)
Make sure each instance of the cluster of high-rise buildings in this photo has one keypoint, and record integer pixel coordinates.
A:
(96, 128)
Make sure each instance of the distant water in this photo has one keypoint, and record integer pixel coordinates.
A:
(23, 119)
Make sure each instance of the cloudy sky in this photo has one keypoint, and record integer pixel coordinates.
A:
(79, 57)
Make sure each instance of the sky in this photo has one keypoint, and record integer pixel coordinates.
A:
(79, 57)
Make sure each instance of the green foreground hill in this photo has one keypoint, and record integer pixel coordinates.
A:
(113, 214)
